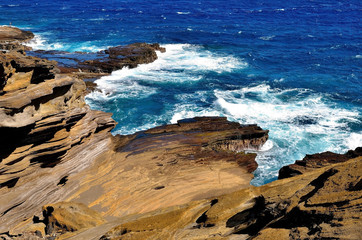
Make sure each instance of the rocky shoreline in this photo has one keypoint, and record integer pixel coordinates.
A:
(64, 176)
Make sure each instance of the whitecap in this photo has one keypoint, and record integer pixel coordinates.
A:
(183, 13)
(38, 42)
(268, 145)
(306, 123)
(354, 140)
(267, 38)
(358, 56)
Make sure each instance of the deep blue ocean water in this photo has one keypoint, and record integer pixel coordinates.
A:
(293, 67)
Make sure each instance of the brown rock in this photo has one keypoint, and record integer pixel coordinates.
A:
(69, 217)
(319, 204)
(317, 160)
(12, 63)
(11, 39)
(122, 56)
(8, 33)
(18, 81)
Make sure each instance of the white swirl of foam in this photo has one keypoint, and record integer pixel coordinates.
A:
(180, 63)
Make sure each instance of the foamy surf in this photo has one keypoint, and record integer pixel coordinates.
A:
(309, 123)
(41, 42)
(181, 63)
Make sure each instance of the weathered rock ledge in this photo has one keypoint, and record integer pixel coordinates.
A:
(318, 160)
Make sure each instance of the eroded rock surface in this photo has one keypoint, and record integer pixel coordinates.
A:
(321, 204)
(317, 160)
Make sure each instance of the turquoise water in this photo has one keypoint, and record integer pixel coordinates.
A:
(291, 67)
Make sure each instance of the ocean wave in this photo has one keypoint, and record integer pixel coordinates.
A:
(267, 38)
(180, 63)
(183, 13)
(40, 42)
(306, 122)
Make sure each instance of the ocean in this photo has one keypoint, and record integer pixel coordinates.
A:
(293, 67)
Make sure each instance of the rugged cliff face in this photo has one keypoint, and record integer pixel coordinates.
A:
(44, 123)
(63, 175)
(55, 148)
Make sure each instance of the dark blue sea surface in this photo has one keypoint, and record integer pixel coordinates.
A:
(293, 67)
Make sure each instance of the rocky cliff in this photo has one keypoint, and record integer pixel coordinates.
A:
(64, 176)
(54, 148)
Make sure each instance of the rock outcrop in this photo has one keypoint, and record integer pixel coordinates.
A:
(317, 160)
(11, 38)
(94, 65)
(321, 204)
(122, 56)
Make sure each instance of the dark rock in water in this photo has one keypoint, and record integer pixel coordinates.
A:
(122, 56)
(93, 65)
(317, 160)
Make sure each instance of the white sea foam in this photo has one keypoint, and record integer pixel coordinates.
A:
(183, 111)
(354, 140)
(40, 42)
(267, 38)
(358, 56)
(306, 123)
(37, 42)
(180, 63)
(183, 13)
(267, 146)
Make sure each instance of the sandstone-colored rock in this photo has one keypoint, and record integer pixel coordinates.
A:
(18, 81)
(69, 217)
(320, 204)
(8, 33)
(14, 62)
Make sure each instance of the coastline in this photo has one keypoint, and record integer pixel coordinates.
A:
(67, 153)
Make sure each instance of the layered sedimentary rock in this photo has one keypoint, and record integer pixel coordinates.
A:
(44, 123)
(318, 160)
(324, 203)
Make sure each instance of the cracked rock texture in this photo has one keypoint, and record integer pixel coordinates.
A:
(324, 203)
